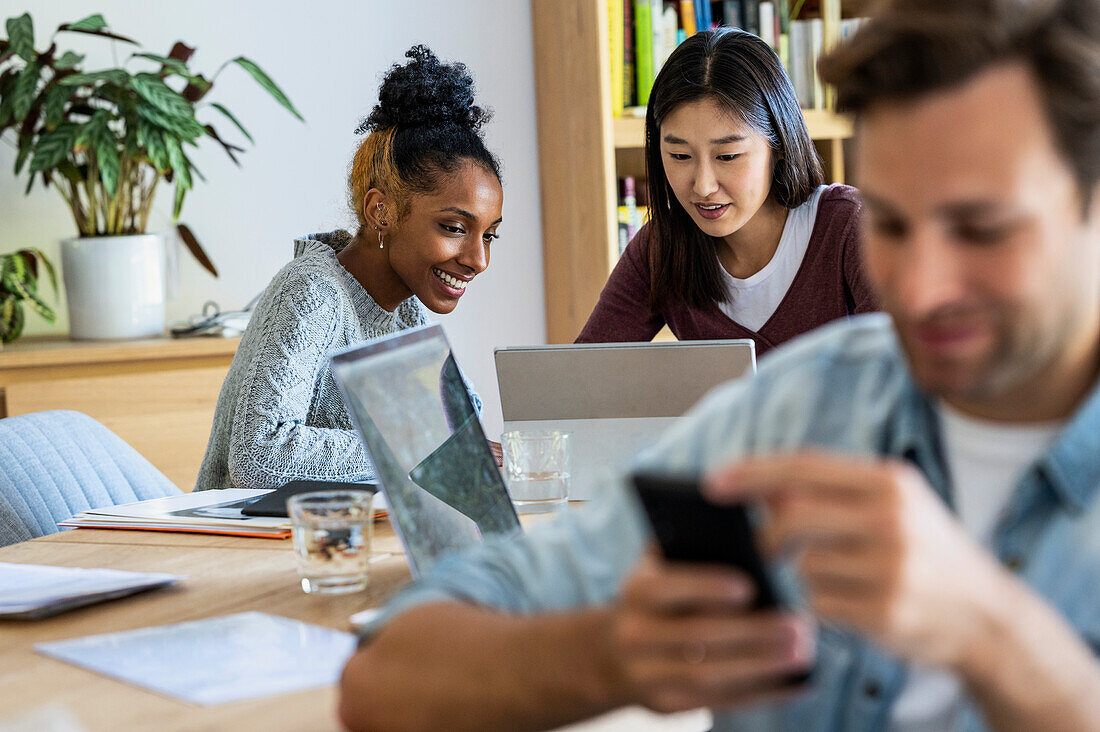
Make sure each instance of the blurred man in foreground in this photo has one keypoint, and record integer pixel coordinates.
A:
(934, 472)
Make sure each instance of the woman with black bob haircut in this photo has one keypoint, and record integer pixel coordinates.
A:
(744, 240)
(427, 197)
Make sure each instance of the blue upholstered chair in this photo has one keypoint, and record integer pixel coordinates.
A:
(56, 464)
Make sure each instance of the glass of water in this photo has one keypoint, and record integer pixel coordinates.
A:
(536, 469)
(332, 536)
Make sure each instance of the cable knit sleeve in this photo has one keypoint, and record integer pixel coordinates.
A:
(271, 442)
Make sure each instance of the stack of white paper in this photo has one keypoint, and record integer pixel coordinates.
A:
(34, 591)
(216, 660)
(208, 512)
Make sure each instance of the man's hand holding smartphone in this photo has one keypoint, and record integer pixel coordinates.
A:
(689, 634)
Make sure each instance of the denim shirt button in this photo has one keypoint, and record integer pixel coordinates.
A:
(872, 689)
(1013, 562)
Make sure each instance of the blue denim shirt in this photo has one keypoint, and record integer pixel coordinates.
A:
(846, 388)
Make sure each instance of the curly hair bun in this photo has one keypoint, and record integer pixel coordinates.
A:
(425, 91)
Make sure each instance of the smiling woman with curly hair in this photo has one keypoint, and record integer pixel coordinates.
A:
(427, 196)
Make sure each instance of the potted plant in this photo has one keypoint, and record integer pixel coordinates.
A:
(104, 140)
(18, 285)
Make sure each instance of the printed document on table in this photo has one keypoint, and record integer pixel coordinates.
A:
(216, 660)
(30, 591)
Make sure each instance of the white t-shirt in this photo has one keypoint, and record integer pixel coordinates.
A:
(753, 300)
(986, 461)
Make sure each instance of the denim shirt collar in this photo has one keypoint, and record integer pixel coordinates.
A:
(1070, 468)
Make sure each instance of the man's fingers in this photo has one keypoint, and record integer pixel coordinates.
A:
(797, 521)
(717, 634)
(804, 471)
(671, 587)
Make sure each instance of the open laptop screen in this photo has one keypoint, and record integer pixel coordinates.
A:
(410, 404)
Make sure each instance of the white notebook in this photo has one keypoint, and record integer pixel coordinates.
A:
(216, 660)
(30, 591)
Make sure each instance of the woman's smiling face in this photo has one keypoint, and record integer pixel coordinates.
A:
(442, 242)
(719, 169)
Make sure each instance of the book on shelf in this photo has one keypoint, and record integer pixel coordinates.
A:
(630, 97)
(687, 16)
(643, 49)
(643, 33)
(768, 25)
(615, 33)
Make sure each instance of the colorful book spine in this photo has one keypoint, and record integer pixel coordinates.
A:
(615, 27)
(670, 32)
(817, 45)
(767, 24)
(700, 15)
(750, 11)
(630, 96)
(687, 16)
(643, 49)
(732, 14)
(783, 10)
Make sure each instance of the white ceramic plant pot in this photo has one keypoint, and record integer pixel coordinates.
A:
(114, 286)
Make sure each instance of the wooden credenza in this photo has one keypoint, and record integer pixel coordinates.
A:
(158, 394)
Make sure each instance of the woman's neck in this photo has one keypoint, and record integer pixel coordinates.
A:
(370, 266)
(749, 249)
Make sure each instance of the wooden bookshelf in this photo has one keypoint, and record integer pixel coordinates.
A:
(584, 149)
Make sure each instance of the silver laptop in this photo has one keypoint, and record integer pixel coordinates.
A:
(616, 398)
(408, 400)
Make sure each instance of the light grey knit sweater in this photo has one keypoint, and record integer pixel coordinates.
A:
(279, 416)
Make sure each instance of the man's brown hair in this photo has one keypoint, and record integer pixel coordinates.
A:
(910, 48)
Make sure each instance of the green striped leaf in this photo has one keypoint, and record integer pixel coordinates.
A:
(153, 90)
(7, 83)
(68, 60)
(21, 36)
(180, 167)
(234, 120)
(7, 313)
(178, 206)
(172, 64)
(152, 139)
(54, 146)
(24, 91)
(186, 128)
(265, 81)
(11, 320)
(95, 126)
(106, 155)
(46, 263)
(54, 106)
(13, 270)
(91, 23)
(116, 76)
(25, 147)
(36, 303)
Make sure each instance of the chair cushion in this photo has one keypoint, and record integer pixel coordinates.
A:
(56, 464)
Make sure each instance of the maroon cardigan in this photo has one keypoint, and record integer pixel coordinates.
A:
(830, 284)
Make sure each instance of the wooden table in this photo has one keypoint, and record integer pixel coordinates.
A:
(225, 575)
(157, 394)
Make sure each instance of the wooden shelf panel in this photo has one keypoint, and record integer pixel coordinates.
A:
(629, 132)
(54, 351)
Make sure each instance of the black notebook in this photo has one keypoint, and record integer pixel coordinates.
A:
(274, 503)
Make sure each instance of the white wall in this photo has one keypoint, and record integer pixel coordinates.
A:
(328, 56)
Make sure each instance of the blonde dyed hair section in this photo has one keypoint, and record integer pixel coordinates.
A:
(373, 167)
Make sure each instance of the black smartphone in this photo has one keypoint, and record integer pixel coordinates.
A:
(689, 528)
